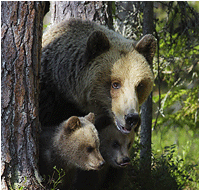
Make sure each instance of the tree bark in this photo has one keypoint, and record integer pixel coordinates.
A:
(21, 37)
(146, 109)
(99, 11)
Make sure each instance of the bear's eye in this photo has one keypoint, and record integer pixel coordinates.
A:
(89, 149)
(116, 85)
(140, 87)
(115, 144)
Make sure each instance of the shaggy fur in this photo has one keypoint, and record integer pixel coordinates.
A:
(88, 68)
(73, 144)
(114, 147)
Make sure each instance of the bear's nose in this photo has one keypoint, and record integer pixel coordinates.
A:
(132, 119)
(101, 164)
(126, 160)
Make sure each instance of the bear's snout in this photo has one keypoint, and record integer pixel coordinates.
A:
(132, 120)
(101, 164)
(126, 160)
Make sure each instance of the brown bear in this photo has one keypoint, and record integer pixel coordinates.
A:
(86, 68)
(114, 147)
(73, 144)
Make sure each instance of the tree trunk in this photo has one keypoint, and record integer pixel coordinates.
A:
(21, 37)
(146, 109)
(99, 11)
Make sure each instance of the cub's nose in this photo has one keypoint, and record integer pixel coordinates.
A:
(132, 119)
(101, 164)
(126, 160)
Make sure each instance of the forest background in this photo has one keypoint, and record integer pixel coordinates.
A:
(175, 124)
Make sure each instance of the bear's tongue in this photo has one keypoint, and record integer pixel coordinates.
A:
(124, 164)
(122, 128)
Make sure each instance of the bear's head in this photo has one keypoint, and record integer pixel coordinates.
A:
(115, 146)
(78, 143)
(125, 77)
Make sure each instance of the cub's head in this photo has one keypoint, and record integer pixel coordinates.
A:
(78, 143)
(125, 79)
(115, 146)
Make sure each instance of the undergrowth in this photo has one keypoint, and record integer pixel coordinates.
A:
(169, 171)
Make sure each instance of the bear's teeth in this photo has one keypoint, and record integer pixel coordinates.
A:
(121, 128)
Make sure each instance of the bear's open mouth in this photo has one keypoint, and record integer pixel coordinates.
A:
(122, 164)
(121, 128)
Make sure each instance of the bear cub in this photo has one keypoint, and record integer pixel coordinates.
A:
(114, 147)
(73, 144)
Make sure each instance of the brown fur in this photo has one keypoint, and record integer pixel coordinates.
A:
(80, 63)
(114, 147)
(74, 144)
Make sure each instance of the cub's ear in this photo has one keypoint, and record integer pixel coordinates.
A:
(147, 47)
(97, 44)
(90, 117)
(71, 124)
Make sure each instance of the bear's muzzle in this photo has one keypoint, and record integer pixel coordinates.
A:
(132, 120)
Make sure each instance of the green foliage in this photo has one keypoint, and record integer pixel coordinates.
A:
(61, 174)
(179, 108)
(176, 99)
(17, 186)
(176, 166)
(54, 180)
(170, 170)
(176, 69)
(185, 148)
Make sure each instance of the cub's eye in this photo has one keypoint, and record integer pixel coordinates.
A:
(115, 144)
(116, 85)
(89, 149)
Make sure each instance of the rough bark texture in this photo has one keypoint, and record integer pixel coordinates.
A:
(99, 11)
(146, 109)
(21, 32)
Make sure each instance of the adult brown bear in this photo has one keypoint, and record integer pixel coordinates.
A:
(89, 68)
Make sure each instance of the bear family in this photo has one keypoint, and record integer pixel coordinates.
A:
(73, 144)
(114, 147)
(86, 68)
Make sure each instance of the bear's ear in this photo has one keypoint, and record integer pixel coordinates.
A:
(72, 124)
(147, 47)
(90, 117)
(97, 44)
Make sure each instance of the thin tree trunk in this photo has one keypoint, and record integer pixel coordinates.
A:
(21, 35)
(146, 109)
